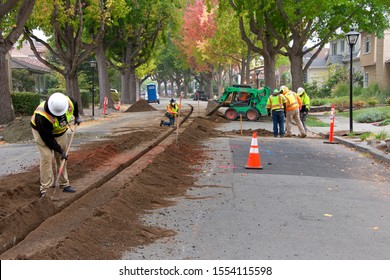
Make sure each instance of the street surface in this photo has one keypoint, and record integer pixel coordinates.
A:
(310, 201)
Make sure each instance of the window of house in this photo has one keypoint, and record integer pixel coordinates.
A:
(365, 81)
(342, 46)
(367, 44)
(334, 48)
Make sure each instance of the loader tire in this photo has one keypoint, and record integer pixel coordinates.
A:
(231, 114)
(252, 114)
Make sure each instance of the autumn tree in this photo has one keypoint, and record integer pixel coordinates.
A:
(13, 16)
(198, 29)
(286, 26)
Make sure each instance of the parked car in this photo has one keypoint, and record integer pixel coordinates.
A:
(200, 95)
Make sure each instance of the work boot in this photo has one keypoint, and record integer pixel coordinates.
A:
(287, 135)
(302, 135)
(161, 123)
(69, 189)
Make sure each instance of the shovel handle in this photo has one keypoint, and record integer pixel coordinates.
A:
(57, 185)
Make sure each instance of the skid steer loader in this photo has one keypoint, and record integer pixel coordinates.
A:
(243, 100)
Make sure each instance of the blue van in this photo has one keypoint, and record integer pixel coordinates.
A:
(152, 95)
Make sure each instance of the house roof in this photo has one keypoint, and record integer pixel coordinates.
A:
(320, 60)
(22, 57)
(30, 63)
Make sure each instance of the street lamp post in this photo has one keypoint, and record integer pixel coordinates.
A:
(93, 66)
(352, 38)
(257, 77)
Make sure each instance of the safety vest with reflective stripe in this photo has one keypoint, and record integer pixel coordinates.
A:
(275, 102)
(293, 101)
(172, 109)
(57, 128)
(305, 100)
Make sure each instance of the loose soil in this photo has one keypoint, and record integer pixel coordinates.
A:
(115, 224)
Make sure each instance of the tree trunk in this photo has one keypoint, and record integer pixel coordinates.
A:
(125, 75)
(269, 70)
(296, 71)
(104, 85)
(73, 90)
(132, 86)
(7, 113)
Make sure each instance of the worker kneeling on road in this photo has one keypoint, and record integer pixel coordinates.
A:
(49, 125)
(276, 104)
(171, 113)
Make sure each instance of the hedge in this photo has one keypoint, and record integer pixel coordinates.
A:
(25, 103)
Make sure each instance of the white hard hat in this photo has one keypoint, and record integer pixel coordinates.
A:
(300, 91)
(284, 89)
(58, 104)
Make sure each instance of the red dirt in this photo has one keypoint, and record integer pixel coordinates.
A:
(114, 223)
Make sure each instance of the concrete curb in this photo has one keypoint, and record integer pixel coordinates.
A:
(365, 149)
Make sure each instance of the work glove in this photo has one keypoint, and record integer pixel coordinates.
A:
(64, 156)
(269, 112)
(77, 121)
(303, 108)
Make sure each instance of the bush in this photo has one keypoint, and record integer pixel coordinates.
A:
(25, 103)
(385, 122)
(50, 91)
(370, 116)
(86, 98)
(381, 135)
(364, 136)
(341, 89)
(319, 102)
(372, 102)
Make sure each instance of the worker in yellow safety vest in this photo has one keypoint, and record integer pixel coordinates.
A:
(304, 112)
(276, 105)
(171, 113)
(294, 104)
(49, 125)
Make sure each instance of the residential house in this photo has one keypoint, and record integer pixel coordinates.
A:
(24, 58)
(318, 71)
(375, 59)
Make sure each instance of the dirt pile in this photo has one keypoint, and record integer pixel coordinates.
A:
(140, 106)
(18, 130)
(115, 225)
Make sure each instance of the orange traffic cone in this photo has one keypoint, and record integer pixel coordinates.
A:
(254, 155)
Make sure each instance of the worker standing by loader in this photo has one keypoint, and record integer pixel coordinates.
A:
(49, 125)
(294, 104)
(304, 112)
(276, 104)
(171, 113)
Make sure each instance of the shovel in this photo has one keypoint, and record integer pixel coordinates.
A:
(57, 184)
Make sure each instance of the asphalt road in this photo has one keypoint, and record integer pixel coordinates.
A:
(311, 201)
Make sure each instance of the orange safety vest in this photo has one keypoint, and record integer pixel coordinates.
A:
(293, 101)
(57, 128)
(172, 109)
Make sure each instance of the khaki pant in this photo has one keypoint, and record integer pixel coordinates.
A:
(294, 115)
(47, 178)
